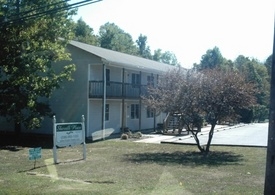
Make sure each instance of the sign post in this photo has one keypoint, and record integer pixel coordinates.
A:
(68, 134)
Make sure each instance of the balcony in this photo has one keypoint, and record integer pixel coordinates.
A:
(116, 90)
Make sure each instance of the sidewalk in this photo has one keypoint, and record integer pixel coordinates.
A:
(185, 139)
(159, 138)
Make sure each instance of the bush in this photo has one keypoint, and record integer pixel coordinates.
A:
(124, 136)
(129, 135)
(137, 135)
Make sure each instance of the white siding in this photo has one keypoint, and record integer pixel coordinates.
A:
(112, 126)
(96, 72)
(115, 74)
(132, 124)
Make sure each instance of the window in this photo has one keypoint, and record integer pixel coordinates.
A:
(108, 76)
(134, 111)
(107, 112)
(150, 113)
(150, 80)
(135, 79)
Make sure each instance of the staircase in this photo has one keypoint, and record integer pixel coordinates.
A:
(172, 122)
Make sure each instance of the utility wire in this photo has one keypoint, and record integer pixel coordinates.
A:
(23, 15)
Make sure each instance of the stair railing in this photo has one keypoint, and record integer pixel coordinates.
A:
(166, 121)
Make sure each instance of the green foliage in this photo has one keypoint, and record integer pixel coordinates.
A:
(169, 57)
(212, 59)
(268, 64)
(114, 38)
(30, 46)
(260, 113)
(257, 73)
(166, 57)
(84, 33)
(246, 115)
(157, 55)
(144, 50)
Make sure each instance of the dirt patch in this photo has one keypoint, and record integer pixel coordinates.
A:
(56, 178)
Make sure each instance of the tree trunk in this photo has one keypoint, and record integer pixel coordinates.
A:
(195, 135)
(17, 122)
(210, 136)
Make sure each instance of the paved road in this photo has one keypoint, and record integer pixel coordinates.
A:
(240, 135)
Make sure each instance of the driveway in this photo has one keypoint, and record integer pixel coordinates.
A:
(239, 135)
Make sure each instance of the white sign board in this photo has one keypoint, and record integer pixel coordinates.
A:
(68, 134)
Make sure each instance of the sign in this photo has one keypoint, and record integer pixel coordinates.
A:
(68, 134)
(34, 153)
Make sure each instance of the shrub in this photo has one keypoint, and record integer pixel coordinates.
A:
(137, 135)
(124, 136)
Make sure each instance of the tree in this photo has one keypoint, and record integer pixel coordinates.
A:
(166, 57)
(268, 65)
(169, 57)
(157, 55)
(255, 72)
(30, 45)
(114, 38)
(212, 59)
(144, 50)
(221, 95)
(84, 33)
(213, 94)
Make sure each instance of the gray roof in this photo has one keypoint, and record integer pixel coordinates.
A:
(121, 59)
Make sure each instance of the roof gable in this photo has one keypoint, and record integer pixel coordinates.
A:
(122, 59)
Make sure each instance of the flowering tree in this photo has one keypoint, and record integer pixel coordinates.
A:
(212, 95)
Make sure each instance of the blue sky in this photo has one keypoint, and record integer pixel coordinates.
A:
(190, 28)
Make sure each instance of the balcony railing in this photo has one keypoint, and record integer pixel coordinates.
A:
(116, 90)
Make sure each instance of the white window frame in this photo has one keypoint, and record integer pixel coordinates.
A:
(136, 79)
(135, 111)
(149, 113)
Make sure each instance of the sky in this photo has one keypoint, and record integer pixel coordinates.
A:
(188, 28)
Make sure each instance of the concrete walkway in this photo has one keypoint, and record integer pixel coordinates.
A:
(239, 135)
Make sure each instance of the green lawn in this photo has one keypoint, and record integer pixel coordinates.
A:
(125, 167)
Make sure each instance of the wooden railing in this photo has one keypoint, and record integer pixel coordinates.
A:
(116, 90)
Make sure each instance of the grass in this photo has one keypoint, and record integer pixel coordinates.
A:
(125, 167)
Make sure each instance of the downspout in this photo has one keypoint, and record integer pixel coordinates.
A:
(123, 102)
(103, 100)
(88, 102)
(153, 85)
(139, 122)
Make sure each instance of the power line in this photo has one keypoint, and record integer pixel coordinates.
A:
(24, 15)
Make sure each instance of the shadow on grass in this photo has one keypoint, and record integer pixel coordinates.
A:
(215, 158)
(12, 141)
(31, 169)
(72, 161)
